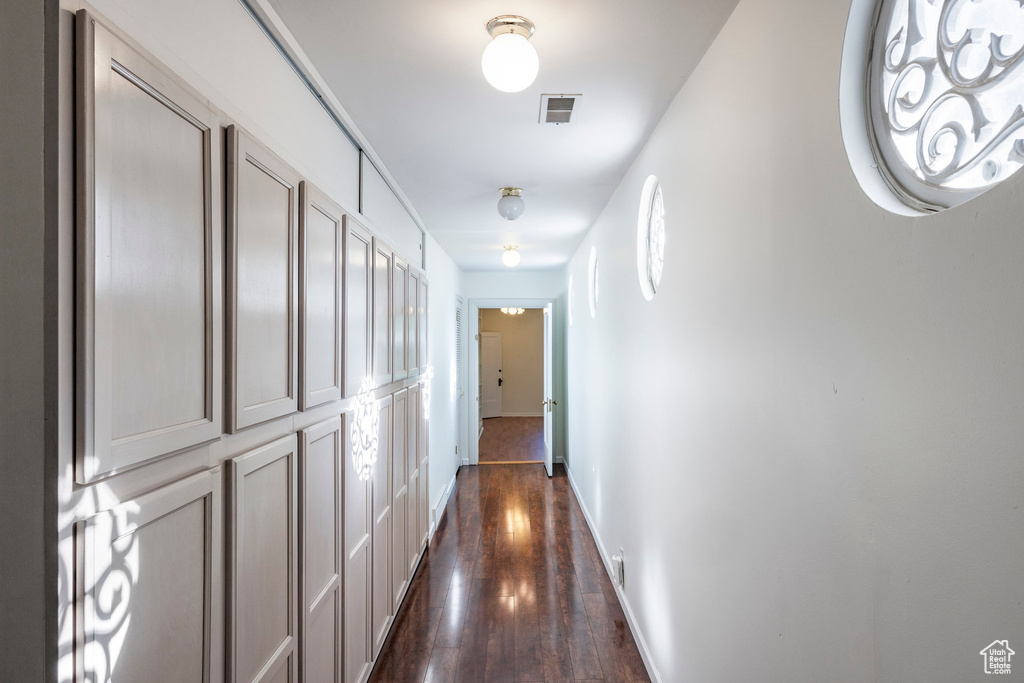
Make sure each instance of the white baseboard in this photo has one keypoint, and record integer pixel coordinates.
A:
(465, 462)
(438, 510)
(645, 652)
(522, 414)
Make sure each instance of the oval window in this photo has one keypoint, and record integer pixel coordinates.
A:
(650, 237)
(945, 96)
(592, 282)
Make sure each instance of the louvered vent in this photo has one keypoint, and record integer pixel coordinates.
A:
(558, 109)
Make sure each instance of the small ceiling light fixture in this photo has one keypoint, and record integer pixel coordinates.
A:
(511, 256)
(511, 204)
(510, 61)
(513, 311)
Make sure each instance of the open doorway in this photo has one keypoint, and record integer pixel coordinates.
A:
(511, 368)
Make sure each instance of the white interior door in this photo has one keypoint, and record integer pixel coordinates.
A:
(548, 393)
(490, 374)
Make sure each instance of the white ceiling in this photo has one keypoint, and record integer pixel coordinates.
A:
(408, 73)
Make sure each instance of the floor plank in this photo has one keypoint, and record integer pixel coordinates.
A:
(444, 662)
(512, 589)
(512, 439)
(620, 658)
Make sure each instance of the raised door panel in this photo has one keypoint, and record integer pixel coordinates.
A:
(400, 317)
(358, 337)
(413, 345)
(262, 282)
(262, 564)
(320, 543)
(423, 454)
(320, 290)
(412, 540)
(421, 345)
(381, 573)
(358, 524)
(400, 498)
(148, 584)
(382, 360)
(149, 319)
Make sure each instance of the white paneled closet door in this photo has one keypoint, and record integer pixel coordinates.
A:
(381, 604)
(149, 576)
(413, 345)
(400, 317)
(321, 458)
(423, 456)
(263, 564)
(358, 554)
(321, 270)
(382, 328)
(149, 261)
(400, 498)
(263, 203)
(358, 310)
(412, 540)
(423, 358)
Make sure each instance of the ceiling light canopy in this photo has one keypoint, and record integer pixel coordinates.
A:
(511, 204)
(510, 61)
(511, 256)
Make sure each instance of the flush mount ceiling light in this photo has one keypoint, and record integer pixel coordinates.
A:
(513, 311)
(511, 204)
(510, 61)
(511, 256)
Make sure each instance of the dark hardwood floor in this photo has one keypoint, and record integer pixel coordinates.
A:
(512, 439)
(511, 589)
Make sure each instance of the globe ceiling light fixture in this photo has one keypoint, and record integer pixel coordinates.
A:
(511, 204)
(513, 311)
(511, 256)
(510, 61)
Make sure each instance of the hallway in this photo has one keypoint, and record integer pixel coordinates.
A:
(512, 440)
(511, 589)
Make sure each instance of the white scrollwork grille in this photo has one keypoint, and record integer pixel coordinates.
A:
(365, 431)
(592, 285)
(650, 237)
(655, 239)
(946, 92)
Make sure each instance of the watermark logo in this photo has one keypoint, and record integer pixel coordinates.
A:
(997, 657)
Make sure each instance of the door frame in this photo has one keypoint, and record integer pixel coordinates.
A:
(501, 362)
(473, 375)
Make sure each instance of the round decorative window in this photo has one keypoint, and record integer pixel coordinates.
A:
(572, 301)
(946, 89)
(592, 282)
(650, 237)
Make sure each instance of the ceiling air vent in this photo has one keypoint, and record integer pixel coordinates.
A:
(558, 109)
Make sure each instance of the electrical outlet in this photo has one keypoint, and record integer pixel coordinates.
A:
(619, 569)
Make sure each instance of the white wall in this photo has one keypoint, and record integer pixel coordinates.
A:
(386, 214)
(444, 279)
(809, 443)
(522, 359)
(28, 507)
